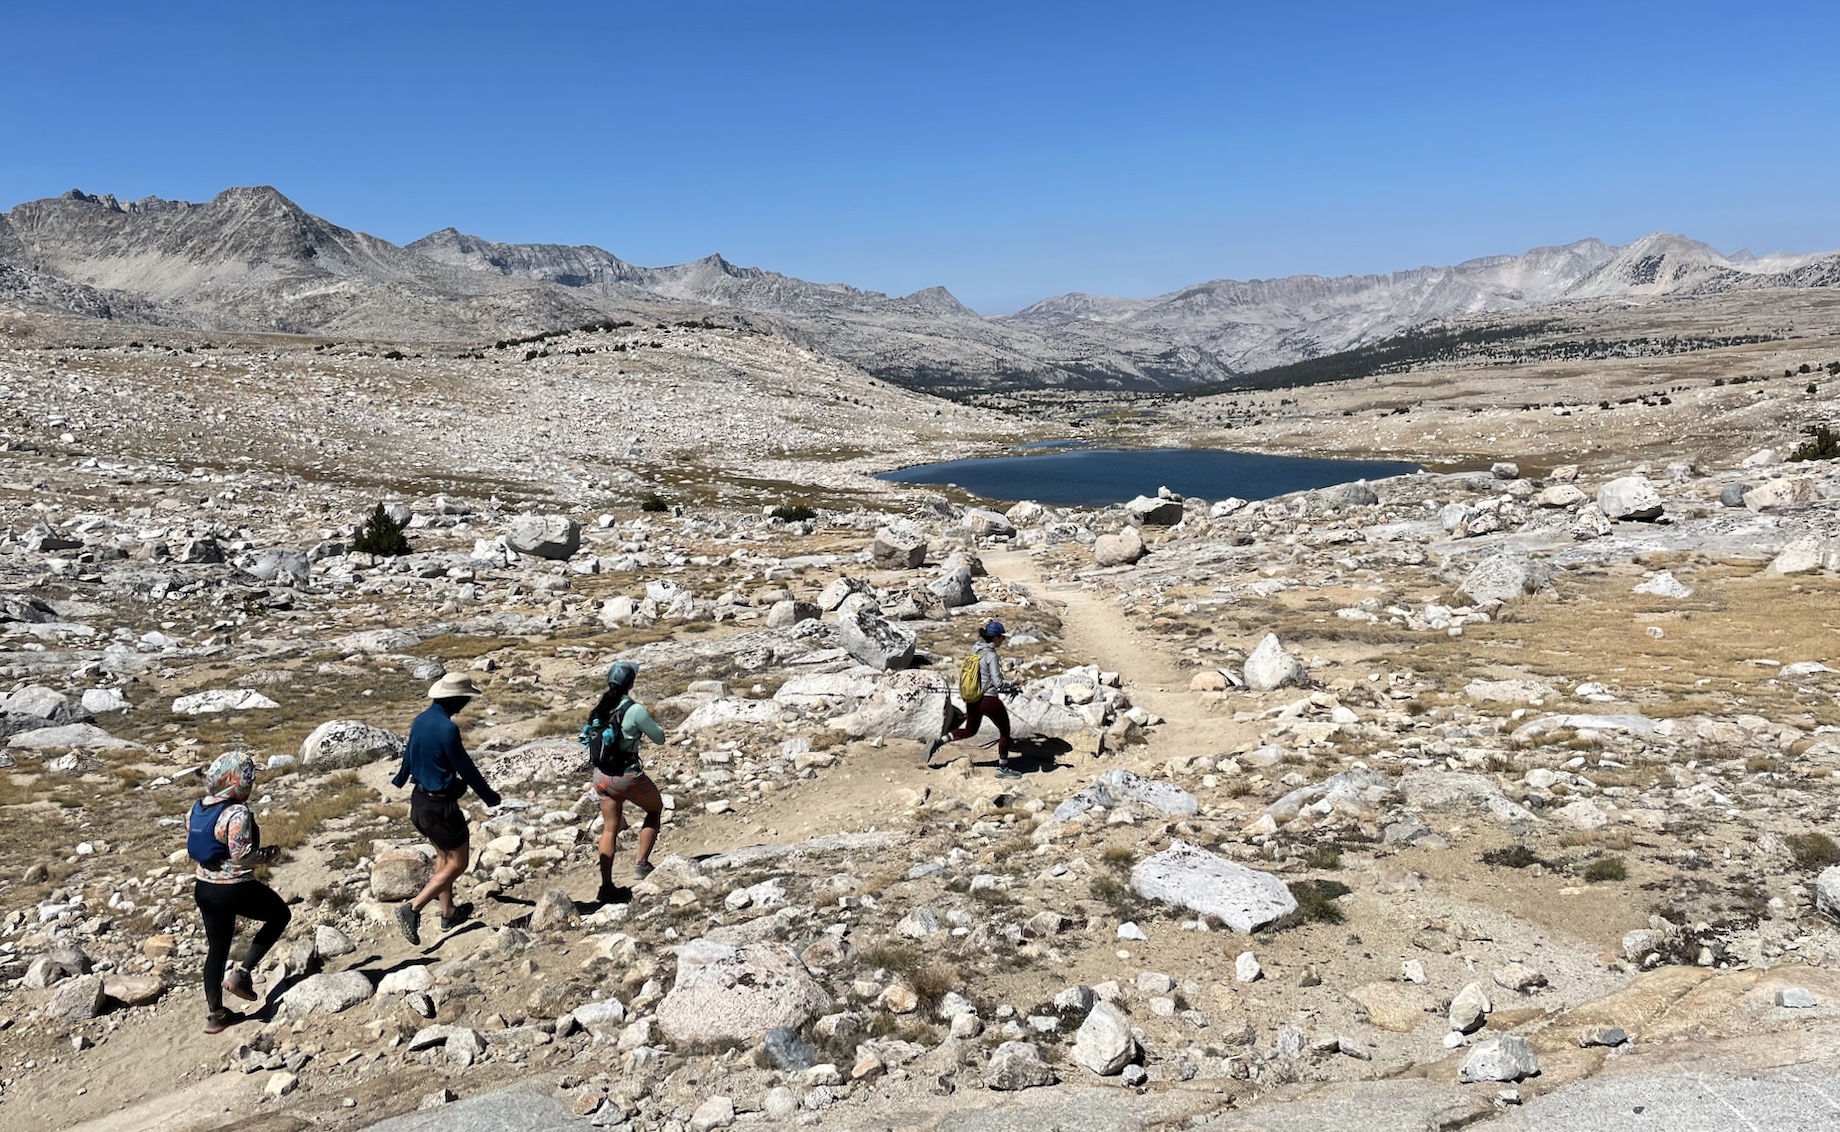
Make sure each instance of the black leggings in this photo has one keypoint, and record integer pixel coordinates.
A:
(992, 708)
(220, 905)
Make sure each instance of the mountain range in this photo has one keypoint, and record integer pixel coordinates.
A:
(250, 259)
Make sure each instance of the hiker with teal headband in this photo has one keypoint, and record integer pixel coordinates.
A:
(612, 736)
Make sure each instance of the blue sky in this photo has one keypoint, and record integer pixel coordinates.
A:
(1006, 151)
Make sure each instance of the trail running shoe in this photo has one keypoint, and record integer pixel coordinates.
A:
(641, 870)
(607, 893)
(460, 915)
(217, 1021)
(238, 983)
(933, 748)
(410, 922)
(1008, 772)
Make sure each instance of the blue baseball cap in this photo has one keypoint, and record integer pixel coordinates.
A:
(995, 629)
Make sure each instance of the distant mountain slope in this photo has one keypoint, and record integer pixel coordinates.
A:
(251, 259)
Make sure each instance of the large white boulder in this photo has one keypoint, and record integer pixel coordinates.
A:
(1629, 497)
(904, 705)
(1121, 549)
(554, 537)
(1270, 667)
(1188, 876)
(1827, 892)
(85, 735)
(1560, 495)
(899, 547)
(44, 703)
(1104, 1043)
(1507, 1058)
(737, 994)
(398, 874)
(1155, 512)
(1785, 492)
(953, 589)
(872, 639)
(1504, 575)
(988, 524)
(329, 992)
(340, 744)
(222, 699)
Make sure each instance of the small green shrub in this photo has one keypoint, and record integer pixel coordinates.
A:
(1513, 857)
(381, 535)
(1824, 445)
(1605, 868)
(652, 502)
(1813, 850)
(1316, 900)
(1323, 857)
(794, 513)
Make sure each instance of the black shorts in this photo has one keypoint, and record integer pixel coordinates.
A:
(439, 819)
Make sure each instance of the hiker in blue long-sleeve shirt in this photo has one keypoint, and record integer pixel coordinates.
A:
(436, 759)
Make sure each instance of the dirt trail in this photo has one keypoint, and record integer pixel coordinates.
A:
(875, 786)
(1098, 632)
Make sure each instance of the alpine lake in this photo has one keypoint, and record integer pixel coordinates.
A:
(1061, 472)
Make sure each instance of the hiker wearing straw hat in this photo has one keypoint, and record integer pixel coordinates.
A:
(435, 758)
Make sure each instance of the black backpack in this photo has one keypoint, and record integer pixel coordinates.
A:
(604, 748)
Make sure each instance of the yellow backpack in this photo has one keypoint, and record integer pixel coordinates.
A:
(970, 683)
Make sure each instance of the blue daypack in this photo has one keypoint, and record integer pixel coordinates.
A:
(201, 842)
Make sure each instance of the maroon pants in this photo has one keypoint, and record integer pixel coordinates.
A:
(974, 718)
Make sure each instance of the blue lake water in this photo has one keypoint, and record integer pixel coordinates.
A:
(1093, 477)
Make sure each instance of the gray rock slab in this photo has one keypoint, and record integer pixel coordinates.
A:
(1069, 1109)
(506, 1110)
(1366, 1106)
(1797, 1099)
(86, 735)
(1188, 876)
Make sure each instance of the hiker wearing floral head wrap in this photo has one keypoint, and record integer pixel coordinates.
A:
(232, 775)
(222, 837)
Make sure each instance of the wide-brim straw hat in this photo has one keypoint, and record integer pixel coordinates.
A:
(453, 684)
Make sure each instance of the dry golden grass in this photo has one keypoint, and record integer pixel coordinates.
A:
(337, 796)
(1592, 627)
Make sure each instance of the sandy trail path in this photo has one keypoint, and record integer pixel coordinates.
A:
(1098, 632)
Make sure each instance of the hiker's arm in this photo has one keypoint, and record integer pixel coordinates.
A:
(469, 774)
(642, 719)
(402, 772)
(244, 839)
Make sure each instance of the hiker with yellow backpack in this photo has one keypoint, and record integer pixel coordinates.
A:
(980, 681)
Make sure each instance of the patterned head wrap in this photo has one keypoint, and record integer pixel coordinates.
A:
(232, 775)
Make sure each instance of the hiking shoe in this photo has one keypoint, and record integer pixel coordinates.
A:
(217, 1021)
(933, 748)
(239, 983)
(460, 915)
(642, 869)
(1008, 772)
(608, 893)
(409, 921)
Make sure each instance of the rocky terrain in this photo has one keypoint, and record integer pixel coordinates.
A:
(1487, 795)
(252, 260)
